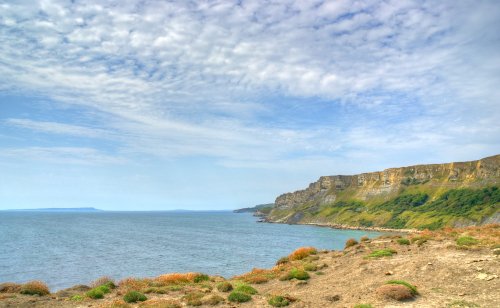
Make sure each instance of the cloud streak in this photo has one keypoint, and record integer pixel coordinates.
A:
(183, 78)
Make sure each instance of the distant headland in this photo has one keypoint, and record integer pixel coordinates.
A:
(57, 209)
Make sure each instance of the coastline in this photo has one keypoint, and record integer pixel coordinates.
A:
(364, 273)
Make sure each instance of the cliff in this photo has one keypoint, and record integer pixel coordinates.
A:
(436, 195)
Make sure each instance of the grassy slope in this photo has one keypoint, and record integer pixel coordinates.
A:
(416, 205)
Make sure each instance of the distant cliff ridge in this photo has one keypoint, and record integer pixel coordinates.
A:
(437, 195)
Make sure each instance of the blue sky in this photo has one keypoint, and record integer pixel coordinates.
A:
(156, 105)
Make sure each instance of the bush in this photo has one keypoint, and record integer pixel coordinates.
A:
(134, 296)
(394, 291)
(34, 288)
(350, 242)
(412, 288)
(10, 287)
(403, 241)
(310, 267)
(224, 286)
(302, 253)
(77, 298)
(213, 300)
(363, 306)
(95, 293)
(245, 289)
(466, 241)
(193, 299)
(105, 280)
(278, 301)
(176, 278)
(239, 297)
(382, 253)
(282, 260)
(295, 273)
(364, 238)
(134, 284)
(200, 277)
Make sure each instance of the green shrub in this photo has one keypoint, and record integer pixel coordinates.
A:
(245, 289)
(388, 252)
(403, 241)
(104, 288)
(350, 242)
(201, 277)
(466, 241)
(310, 267)
(134, 296)
(278, 301)
(224, 286)
(239, 297)
(77, 298)
(412, 288)
(295, 273)
(95, 293)
(363, 306)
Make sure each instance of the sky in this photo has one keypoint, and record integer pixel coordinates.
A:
(159, 105)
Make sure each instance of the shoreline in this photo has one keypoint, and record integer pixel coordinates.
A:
(347, 227)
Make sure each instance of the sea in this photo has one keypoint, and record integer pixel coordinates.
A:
(64, 249)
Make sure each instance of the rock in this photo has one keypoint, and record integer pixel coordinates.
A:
(389, 273)
(482, 276)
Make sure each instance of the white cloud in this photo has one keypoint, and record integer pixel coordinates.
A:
(180, 78)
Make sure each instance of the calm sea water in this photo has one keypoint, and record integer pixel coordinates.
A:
(65, 249)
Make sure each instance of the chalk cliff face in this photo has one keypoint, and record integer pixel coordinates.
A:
(374, 187)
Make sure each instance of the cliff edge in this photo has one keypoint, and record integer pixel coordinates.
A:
(422, 196)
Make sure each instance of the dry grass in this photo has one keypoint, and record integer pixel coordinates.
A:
(104, 280)
(302, 253)
(117, 303)
(213, 300)
(257, 276)
(134, 284)
(35, 288)
(161, 303)
(394, 291)
(180, 278)
(10, 287)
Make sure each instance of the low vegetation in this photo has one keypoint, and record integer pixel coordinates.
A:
(412, 288)
(403, 241)
(350, 242)
(278, 301)
(302, 253)
(34, 288)
(224, 286)
(134, 296)
(363, 306)
(466, 241)
(388, 252)
(239, 297)
(193, 298)
(241, 287)
(394, 291)
(295, 273)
